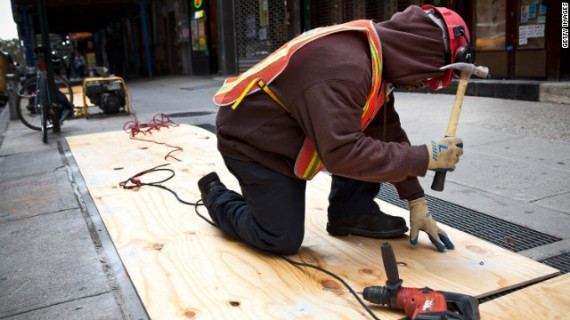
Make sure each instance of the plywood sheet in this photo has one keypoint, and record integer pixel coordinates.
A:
(548, 300)
(184, 268)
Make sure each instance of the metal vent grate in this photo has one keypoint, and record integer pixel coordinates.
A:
(502, 233)
(561, 262)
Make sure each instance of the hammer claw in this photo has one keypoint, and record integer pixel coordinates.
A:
(468, 68)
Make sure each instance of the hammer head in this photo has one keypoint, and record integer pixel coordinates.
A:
(468, 69)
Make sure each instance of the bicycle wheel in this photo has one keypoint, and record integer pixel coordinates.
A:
(27, 106)
(44, 107)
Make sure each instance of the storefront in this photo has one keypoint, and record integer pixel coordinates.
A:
(519, 39)
(516, 39)
(203, 36)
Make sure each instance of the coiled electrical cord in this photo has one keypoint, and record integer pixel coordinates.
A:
(134, 182)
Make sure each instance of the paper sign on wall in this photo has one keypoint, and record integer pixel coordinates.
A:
(539, 30)
(522, 35)
(530, 31)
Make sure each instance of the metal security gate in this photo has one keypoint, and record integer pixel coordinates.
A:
(260, 27)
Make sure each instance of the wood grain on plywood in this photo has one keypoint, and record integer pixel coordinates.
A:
(183, 268)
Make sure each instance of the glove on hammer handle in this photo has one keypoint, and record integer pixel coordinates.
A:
(439, 178)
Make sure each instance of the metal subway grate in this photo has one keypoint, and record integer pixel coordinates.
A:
(189, 114)
(561, 262)
(502, 233)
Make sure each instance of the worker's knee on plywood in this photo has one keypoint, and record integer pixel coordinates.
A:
(287, 244)
(288, 248)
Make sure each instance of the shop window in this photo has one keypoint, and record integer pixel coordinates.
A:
(532, 21)
(491, 24)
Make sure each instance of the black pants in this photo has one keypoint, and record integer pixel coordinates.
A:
(271, 213)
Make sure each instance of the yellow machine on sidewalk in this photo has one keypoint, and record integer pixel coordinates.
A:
(108, 93)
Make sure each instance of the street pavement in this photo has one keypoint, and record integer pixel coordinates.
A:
(57, 261)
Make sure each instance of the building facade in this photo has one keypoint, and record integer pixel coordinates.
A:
(516, 39)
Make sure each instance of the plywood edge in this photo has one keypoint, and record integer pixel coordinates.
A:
(548, 299)
(522, 284)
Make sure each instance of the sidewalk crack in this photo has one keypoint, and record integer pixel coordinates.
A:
(55, 304)
(550, 196)
(39, 214)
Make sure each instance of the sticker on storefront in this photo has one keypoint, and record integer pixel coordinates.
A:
(541, 20)
(542, 9)
(524, 14)
(532, 12)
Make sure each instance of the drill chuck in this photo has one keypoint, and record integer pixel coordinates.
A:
(377, 294)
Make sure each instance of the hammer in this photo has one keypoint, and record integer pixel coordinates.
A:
(467, 70)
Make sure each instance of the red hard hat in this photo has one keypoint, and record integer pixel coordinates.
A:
(456, 38)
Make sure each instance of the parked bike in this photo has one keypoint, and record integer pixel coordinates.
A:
(37, 109)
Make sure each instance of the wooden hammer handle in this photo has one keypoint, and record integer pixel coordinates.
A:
(439, 178)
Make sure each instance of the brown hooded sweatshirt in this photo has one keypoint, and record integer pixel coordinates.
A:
(325, 87)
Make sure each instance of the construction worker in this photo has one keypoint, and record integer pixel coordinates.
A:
(324, 100)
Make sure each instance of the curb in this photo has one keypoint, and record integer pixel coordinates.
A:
(524, 90)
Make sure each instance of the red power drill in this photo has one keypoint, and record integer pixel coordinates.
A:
(419, 303)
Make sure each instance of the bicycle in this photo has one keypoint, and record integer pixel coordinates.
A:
(36, 109)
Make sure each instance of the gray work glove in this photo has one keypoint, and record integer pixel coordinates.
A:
(421, 219)
(444, 153)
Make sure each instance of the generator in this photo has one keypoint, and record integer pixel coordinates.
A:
(107, 93)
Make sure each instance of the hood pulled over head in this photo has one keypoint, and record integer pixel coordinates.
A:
(412, 47)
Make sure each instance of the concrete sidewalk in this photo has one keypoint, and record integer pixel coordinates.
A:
(53, 265)
(57, 259)
(59, 263)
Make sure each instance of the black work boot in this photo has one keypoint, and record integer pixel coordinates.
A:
(376, 224)
(209, 183)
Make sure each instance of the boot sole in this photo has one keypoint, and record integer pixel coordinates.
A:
(346, 231)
